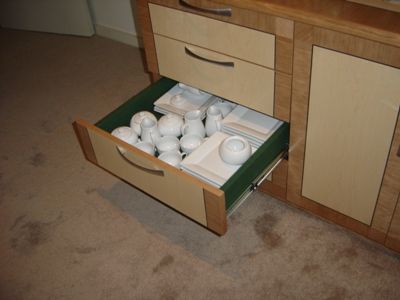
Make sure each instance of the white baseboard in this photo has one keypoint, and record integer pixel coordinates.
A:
(118, 35)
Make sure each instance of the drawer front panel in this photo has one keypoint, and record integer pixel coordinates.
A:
(240, 83)
(171, 188)
(240, 42)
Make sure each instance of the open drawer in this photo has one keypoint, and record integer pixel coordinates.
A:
(200, 201)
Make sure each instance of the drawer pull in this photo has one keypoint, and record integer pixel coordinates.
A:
(226, 11)
(220, 63)
(136, 165)
(398, 152)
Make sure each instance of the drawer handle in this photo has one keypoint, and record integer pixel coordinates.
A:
(151, 171)
(226, 11)
(220, 63)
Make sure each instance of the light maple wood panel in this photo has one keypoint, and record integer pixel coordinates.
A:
(385, 4)
(173, 189)
(281, 28)
(352, 115)
(237, 41)
(305, 37)
(247, 84)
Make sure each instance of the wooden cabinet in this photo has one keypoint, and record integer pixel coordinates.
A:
(259, 45)
(393, 237)
(345, 107)
(330, 68)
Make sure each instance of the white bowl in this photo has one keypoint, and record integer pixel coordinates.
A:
(190, 142)
(172, 158)
(177, 100)
(138, 118)
(235, 150)
(126, 134)
(170, 124)
(146, 147)
(167, 143)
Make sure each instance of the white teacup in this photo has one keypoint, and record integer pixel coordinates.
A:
(167, 143)
(138, 118)
(190, 142)
(170, 124)
(126, 134)
(146, 147)
(172, 158)
(177, 100)
(235, 150)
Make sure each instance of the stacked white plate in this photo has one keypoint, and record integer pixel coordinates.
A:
(206, 164)
(252, 125)
(182, 98)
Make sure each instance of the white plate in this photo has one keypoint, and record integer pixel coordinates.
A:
(252, 140)
(190, 101)
(250, 123)
(206, 162)
(200, 177)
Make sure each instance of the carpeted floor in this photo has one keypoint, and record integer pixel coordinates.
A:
(69, 230)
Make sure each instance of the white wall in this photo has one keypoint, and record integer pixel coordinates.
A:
(113, 19)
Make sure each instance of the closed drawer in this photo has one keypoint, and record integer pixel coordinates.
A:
(248, 84)
(190, 196)
(233, 40)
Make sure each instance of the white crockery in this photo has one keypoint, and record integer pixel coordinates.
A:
(190, 142)
(146, 147)
(193, 124)
(225, 107)
(213, 121)
(172, 158)
(167, 143)
(138, 118)
(235, 150)
(170, 124)
(126, 134)
(177, 100)
(149, 130)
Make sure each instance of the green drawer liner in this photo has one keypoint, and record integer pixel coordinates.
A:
(242, 179)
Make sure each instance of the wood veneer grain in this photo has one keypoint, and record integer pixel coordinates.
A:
(84, 140)
(393, 237)
(339, 15)
(280, 27)
(141, 9)
(305, 37)
(215, 212)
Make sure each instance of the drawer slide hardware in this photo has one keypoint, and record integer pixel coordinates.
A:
(258, 181)
(151, 171)
(226, 11)
(220, 63)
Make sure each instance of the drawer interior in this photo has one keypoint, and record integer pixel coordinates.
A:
(243, 179)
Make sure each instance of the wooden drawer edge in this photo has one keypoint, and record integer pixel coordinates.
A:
(81, 132)
(214, 199)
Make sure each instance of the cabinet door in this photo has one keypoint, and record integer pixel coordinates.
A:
(344, 129)
(352, 115)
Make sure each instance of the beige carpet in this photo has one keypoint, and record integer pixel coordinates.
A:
(69, 230)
